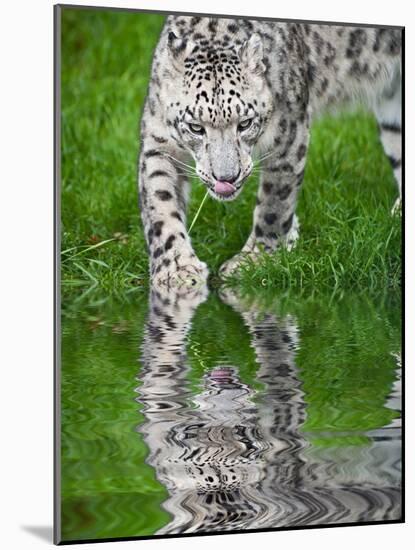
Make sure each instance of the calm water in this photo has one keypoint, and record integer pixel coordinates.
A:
(205, 413)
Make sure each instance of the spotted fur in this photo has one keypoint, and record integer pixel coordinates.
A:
(226, 91)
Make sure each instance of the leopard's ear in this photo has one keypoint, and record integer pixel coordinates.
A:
(252, 54)
(178, 49)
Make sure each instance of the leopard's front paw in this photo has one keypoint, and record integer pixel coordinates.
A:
(181, 271)
(231, 267)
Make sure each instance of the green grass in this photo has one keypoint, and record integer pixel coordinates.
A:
(348, 238)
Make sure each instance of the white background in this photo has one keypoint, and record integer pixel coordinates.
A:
(26, 232)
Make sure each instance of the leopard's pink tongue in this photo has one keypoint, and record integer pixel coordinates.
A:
(221, 375)
(224, 188)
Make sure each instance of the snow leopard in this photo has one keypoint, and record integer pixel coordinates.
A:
(227, 94)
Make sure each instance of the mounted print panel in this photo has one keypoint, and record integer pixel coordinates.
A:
(228, 287)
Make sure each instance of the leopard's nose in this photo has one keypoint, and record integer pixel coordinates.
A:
(227, 177)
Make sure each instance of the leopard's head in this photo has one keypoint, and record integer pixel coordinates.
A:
(217, 106)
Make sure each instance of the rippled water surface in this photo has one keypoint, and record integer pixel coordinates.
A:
(201, 413)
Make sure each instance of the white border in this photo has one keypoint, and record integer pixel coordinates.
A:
(26, 267)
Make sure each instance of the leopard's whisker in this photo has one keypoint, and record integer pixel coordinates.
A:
(174, 159)
(184, 172)
(266, 155)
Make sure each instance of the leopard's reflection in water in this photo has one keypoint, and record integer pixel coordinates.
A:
(233, 458)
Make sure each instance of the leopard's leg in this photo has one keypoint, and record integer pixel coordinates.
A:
(274, 339)
(162, 377)
(163, 191)
(388, 113)
(275, 223)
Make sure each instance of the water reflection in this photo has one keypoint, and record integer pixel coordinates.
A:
(233, 456)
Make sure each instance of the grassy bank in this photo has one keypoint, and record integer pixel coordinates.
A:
(348, 238)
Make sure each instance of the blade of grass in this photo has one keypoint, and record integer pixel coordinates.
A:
(86, 272)
(102, 243)
(198, 212)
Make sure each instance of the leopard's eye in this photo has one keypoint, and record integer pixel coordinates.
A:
(196, 129)
(245, 124)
